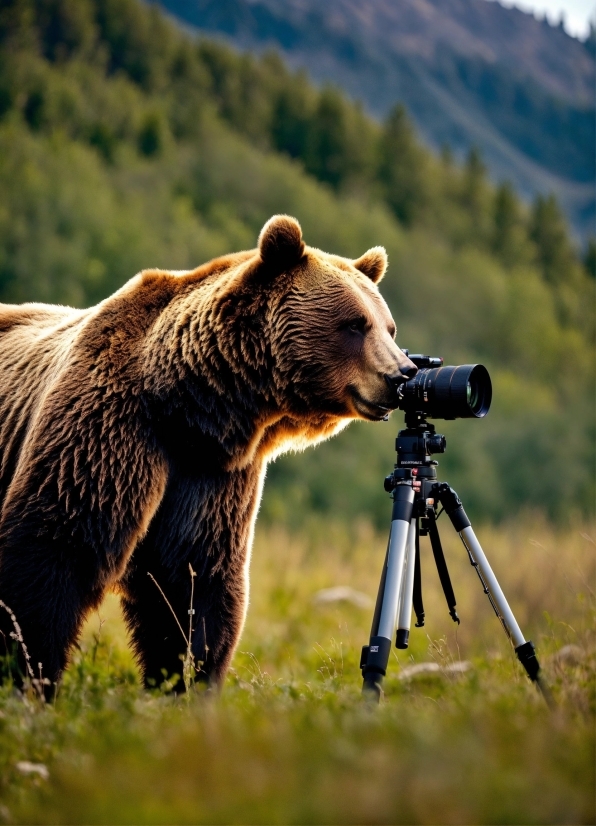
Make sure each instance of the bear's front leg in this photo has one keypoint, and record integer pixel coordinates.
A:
(68, 527)
(204, 523)
(159, 619)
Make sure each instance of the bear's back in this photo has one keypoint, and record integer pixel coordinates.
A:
(32, 338)
(34, 341)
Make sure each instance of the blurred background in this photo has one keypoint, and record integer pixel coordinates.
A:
(459, 134)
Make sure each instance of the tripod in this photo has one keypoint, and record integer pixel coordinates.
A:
(416, 494)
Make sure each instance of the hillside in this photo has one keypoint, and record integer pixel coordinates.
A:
(470, 73)
(125, 144)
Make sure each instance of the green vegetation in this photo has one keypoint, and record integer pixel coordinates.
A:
(290, 740)
(125, 144)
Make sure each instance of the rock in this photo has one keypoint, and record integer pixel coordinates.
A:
(27, 768)
(568, 655)
(459, 667)
(342, 593)
(420, 669)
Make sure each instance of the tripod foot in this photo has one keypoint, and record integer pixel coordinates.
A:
(402, 638)
(544, 689)
(526, 654)
(372, 691)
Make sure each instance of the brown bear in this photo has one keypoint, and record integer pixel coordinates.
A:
(134, 437)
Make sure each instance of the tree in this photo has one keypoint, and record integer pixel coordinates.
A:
(510, 237)
(474, 180)
(292, 111)
(402, 168)
(554, 254)
(590, 258)
(326, 144)
(151, 135)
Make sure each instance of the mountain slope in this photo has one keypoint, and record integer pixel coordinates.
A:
(470, 72)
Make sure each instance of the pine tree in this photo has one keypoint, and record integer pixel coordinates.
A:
(590, 258)
(291, 115)
(475, 197)
(474, 180)
(326, 153)
(510, 238)
(554, 254)
(402, 168)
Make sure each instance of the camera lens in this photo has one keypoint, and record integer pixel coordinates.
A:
(462, 392)
(479, 391)
(472, 395)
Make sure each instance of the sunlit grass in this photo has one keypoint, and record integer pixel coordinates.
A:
(290, 741)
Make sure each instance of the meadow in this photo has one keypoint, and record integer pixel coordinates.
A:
(466, 739)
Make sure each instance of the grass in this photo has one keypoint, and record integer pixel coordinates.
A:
(289, 740)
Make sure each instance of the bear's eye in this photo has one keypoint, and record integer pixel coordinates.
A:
(357, 325)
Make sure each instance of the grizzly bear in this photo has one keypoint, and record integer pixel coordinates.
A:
(134, 437)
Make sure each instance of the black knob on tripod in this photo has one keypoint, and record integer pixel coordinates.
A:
(436, 443)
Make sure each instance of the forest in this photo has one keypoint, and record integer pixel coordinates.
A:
(125, 144)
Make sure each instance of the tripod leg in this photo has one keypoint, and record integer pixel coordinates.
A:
(417, 595)
(526, 653)
(435, 541)
(380, 592)
(491, 587)
(375, 655)
(407, 590)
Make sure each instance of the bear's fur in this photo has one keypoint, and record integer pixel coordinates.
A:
(134, 436)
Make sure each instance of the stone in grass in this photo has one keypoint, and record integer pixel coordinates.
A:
(569, 655)
(33, 769)
(342, 593)
(424, 669)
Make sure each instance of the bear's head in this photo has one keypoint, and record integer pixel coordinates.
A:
(330, 333)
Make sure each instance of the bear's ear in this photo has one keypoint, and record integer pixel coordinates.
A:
(280, 243)
(373, 263)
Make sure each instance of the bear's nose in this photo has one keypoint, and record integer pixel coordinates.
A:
(409, 372)
(406, 372)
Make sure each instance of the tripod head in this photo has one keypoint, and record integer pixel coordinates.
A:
(418, 442)
(415, 446)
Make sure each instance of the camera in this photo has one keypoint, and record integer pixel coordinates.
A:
(445, 392)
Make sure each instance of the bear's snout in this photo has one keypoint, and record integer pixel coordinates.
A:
(395, 380)
(402, 375)
(409, 370)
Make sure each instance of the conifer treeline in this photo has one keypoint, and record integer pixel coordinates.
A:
(275, 109)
